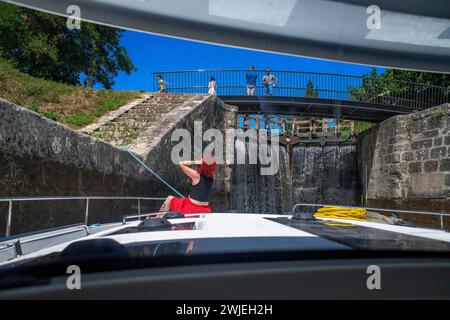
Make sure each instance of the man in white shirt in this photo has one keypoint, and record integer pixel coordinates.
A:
(269, 81)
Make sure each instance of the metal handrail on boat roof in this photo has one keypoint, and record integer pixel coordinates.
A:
(137, 216)
(11, 200)
(440, 214)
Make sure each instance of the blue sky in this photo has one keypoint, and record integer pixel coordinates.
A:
(151, 53)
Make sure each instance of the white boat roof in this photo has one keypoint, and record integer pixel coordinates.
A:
(232, 225)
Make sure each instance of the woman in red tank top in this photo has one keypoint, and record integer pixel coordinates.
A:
(202, 181)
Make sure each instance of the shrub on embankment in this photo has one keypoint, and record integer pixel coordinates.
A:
(71, 105)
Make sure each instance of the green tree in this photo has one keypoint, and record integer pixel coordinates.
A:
(403, 87)
(310, 91)
(436, 79)
(40, 44)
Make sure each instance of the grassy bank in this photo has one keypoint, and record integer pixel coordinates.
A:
(71, 105)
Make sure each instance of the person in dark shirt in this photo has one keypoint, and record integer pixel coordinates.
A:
(250, 78)
(202, 179)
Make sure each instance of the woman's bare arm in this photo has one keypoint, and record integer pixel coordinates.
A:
(187, 170)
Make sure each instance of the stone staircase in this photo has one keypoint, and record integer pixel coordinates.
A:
(125, 127)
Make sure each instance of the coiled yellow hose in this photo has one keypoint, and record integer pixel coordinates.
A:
(335, 212)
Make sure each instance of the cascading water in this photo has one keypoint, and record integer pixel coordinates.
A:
(256, 193)
(325, 174)
(314, 174)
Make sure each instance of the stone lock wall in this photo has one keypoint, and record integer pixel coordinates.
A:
(40, 157)
(407, 158)
(156, 146)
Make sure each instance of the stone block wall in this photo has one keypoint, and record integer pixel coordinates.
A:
(408, 158)
(155, 146)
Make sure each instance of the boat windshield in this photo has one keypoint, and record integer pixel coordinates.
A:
(141, 131)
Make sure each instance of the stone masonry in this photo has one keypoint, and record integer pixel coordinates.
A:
(407, 157)
(123, 128)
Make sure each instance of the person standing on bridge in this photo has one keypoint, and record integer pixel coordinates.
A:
(202, 179)
(162, 84)
(212, 85)
(269, 81)
(250, 78)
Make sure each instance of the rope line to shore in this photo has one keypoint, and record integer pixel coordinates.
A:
(153, 172)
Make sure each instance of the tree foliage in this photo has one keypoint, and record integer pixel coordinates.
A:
(403, 87)
(41, 45)
(310, 91)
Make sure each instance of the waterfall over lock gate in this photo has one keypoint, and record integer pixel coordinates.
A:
(307, 174)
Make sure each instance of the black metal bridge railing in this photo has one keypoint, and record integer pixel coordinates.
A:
(415, 96)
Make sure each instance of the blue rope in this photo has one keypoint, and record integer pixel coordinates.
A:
(153, 172)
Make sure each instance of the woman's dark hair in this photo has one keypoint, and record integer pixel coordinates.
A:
(212, 79)
(207, 167)
(159, 76)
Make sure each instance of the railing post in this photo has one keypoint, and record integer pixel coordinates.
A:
(442, 221)
(8, 221)
(86, 214)
(139, 206)
(366, 185)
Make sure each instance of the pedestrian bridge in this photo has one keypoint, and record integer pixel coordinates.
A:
(314, 94)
